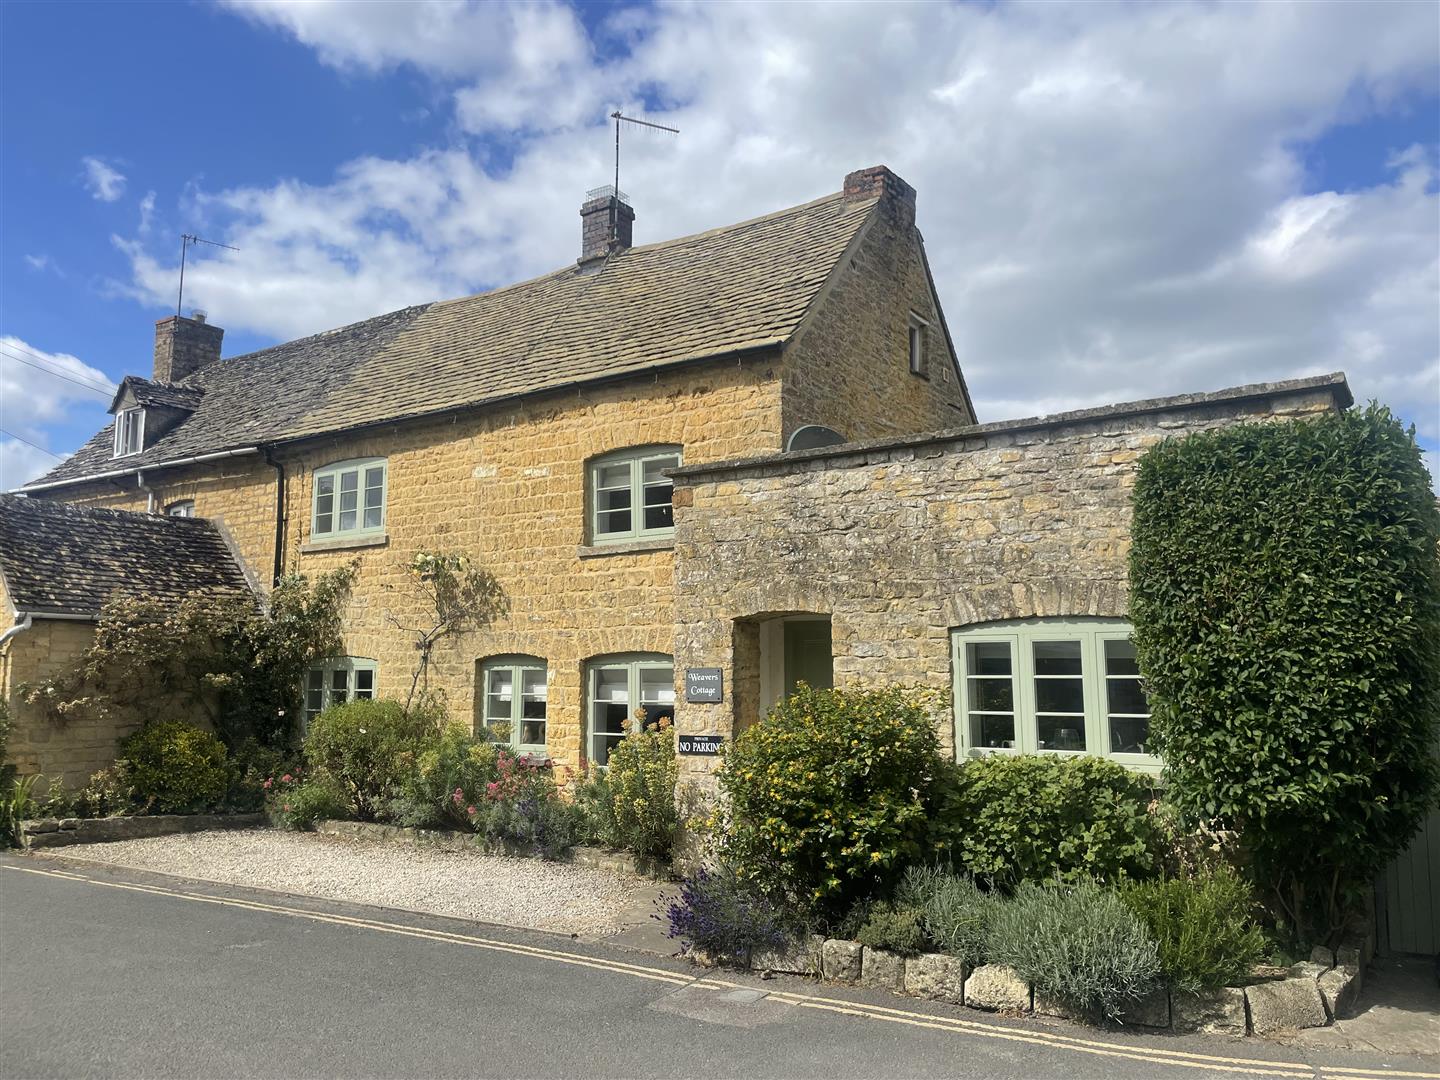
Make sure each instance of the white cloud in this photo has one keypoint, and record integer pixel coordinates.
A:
(37, 388)
(147, 213)
(41, 263)
(1114, 198)
(103, 181)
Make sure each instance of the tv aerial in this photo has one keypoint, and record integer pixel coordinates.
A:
(186, 240)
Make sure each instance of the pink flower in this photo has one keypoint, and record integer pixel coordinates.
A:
(286, 778)
(267, 784)
(491, 788)
(470, 810)
(459, 796)
(287, 807)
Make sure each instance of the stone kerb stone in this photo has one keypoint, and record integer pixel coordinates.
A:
(802, 957)
(63, 832)
(841, 961)
(937, 977)
(882, 970)
(1286, 1005)
(1212, 1012)
(997, 989)
(1339, 987)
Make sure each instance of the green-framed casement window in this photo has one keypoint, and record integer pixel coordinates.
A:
(617, 688)
(336, 681)
(348, 499)
(1051, 686)
(514, 692)
(630, 498)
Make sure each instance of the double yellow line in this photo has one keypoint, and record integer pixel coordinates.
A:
(879, 1013)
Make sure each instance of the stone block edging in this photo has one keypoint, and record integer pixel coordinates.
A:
(1310, 994)
(621, 862)
(62, 832)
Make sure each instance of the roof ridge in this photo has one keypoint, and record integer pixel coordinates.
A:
(107, 513)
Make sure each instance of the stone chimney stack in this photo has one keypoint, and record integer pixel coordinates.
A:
(896, 196)
(184, 346)
(604, 209)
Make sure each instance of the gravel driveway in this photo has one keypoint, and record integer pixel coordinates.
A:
(491, 888)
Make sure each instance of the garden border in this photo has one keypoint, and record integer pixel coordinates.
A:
(1312, 993)
(63, 832)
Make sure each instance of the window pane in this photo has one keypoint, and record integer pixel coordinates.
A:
(349, 500)
(614, 476)
(614, 521)
(533, 693)
(660, 516)
(372, 517)
(374, 481)
(340, 680)
(992, 695)
(1060, 696)
(657, 693)
(325, 484)
(500, 696)
(1126, 696)
(1061, 732)
(609, 711)
(1057, 658)
(364, 683)
(349, 480)
(1129, 735)
(989, 658)
(1120, 658)
(992, 731)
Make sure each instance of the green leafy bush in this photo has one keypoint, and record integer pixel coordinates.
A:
(595, 803)
(297, 804)
(635, 802)
(1204, 927)
(108, 793)
(955, 914)
(368, 750)
(1285, 593)
(450, 776)
(176, 768)
(1031, 817)
(523, 808)
(1078, 944)
(251, 764)
(830, 793)
(893, 927)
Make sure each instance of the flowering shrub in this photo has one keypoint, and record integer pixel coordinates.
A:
(830, 794)
(297, 803)
(632, 803)
(522, 807)
(717, 914)
(176, 768)
(449, 778)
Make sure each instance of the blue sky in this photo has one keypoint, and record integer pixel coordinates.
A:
(1118, 201)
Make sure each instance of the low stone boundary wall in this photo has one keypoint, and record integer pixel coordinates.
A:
(62, 832)
(1310, 994)
(622, 862)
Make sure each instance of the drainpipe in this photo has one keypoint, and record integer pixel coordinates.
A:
(18, 629)
(279, 567)
(149, 491)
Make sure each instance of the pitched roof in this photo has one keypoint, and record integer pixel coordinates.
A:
(147, 392)
(742, 287)
(60, 559)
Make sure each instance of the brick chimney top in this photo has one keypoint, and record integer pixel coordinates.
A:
(606, 221)
(895, 194)
(184, 346)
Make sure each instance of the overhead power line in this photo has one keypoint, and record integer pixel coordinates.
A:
(27, 442)
(92, 387)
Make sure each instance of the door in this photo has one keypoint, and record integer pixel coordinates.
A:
(807, 654)
(1410, 889)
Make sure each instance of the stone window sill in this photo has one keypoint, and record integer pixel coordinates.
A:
(345, 543)
(625, 547)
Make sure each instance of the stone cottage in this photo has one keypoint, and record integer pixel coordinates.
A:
(534, 428)
(59, 565)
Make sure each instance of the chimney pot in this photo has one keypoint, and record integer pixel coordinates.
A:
(184, 346)
(603, 211)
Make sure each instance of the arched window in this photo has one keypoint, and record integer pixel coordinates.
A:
(511, 698)
(348, 499)
(1051, 686)
(812, 437)
(629, 494)
(622, 693)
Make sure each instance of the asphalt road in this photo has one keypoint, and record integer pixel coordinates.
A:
(105, 972)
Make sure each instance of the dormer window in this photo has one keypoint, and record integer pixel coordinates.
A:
(129, 432)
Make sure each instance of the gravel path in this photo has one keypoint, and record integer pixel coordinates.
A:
(492, 888)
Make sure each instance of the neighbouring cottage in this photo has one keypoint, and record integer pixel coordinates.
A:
(534, 428)
(59, 565)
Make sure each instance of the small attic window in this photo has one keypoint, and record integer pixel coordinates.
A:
(916, 345)
(129, 431)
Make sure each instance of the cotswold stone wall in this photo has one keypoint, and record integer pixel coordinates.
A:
(901, 541)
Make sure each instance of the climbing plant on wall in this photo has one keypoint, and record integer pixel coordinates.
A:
(1285, 593)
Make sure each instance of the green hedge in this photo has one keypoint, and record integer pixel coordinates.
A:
(1043, 818)
(1286, 601)
(176, 768)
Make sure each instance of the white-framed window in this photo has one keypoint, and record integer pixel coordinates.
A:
(915, 344)
(512, 702)
(182, 508)
(336, 681)
(129, 431)
(621, 694)
(349, 499)
(630, 497)
(1051, 686)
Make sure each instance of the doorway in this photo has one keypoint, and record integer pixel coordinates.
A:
(794, 649)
